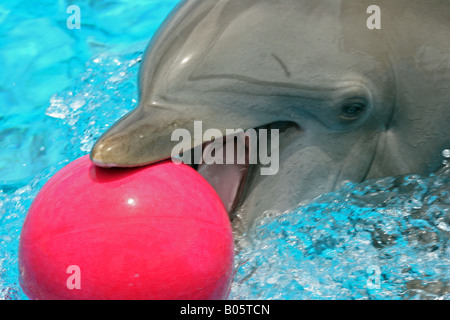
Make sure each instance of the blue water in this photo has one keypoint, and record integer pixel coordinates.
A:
(60, 89)
(396, 229)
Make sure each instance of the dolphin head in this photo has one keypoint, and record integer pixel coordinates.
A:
(310, 69)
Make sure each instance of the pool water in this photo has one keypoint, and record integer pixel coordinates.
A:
(60, 89)
(381, 239)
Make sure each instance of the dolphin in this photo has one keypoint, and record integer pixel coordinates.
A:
(350, 103)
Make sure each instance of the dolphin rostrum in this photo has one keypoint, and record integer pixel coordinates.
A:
(350, 103)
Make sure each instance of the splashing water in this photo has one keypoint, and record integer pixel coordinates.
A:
(382, 239)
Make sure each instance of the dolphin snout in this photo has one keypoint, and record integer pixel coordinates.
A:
(132, 142)
(102, 155)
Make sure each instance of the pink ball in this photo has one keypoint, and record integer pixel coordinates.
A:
(154, 232)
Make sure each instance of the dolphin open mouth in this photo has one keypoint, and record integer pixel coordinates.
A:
(230, 179)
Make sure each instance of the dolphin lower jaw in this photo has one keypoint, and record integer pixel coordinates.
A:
(228, 180)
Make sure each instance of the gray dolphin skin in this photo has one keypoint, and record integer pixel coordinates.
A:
(351, 103)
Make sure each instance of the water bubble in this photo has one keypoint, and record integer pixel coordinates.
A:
(446, 153)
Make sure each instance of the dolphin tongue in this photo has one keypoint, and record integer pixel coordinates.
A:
(227, 179)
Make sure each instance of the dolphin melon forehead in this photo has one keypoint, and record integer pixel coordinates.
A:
(270, 42)
(284, 41)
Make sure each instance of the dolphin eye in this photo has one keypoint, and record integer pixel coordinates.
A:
(352, 111)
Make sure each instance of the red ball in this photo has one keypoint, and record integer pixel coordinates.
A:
(155, 232)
